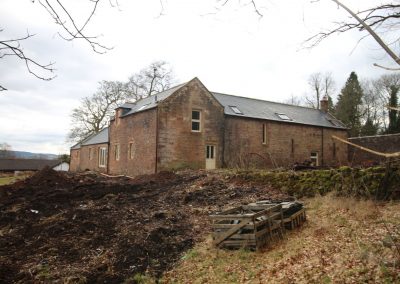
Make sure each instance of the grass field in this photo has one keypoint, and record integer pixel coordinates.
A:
(10, 179)
(344, 241)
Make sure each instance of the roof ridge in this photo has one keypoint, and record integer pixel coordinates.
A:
(135, 102)
(255, 99)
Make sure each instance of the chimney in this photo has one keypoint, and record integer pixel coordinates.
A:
(324, 104)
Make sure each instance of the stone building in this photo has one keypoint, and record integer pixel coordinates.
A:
(188, 126)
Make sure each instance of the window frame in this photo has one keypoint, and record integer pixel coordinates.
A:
(142, 107)
(90, 153)
(236, 110)
(116, 152)
(131, 155)
(314, 158)
(334, 150)
(210, 152)
(283, 116)
(264, 134)
(292, 146)
(193, 120)
(102, 157)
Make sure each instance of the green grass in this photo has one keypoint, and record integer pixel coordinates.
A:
(11, 179)
(7, 180)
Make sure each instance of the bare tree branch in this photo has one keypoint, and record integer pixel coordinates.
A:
(64, 18)
(12, 47)
(386, 68)
(379, 19)
(68, 21)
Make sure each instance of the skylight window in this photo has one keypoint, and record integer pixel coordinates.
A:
(236, 109)
(283, 116)
(143, 107)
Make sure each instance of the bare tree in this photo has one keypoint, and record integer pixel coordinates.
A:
(93, 113)
(372, 120)
(321, 84)
(294, 100)
(382, 88)
(380, 22)
(72, 28)
(155, 78)
(6, 151)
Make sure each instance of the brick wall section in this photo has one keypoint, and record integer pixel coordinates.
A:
(91, 163)
(75, 160)
(178, 146)
(381, 143)
(140, 130)
(244, 147)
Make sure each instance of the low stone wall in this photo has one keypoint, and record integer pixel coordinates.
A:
(344, 181)
(382, 143)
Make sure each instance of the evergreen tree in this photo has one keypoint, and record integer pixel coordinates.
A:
(348, 107)
(394, 118)
(369, 128)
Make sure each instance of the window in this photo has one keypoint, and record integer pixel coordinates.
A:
(292, 146)
(143, 107)
(102, 157)
(196, 121)
(283, 116)
(131, 150)
(264, 133)
(90, 153)
(210, 152)
(76, 154)
(116, 152)
(334, 150)
(236, 110)
(314, 159)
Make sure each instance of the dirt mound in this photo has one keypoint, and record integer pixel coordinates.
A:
(87, 227)
(45, 178)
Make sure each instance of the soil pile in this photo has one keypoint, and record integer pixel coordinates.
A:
(90, 228)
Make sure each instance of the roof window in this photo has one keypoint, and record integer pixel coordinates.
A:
(236, 109)
(143, 107)
(283, 116)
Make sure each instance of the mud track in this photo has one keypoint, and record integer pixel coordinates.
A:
(89, 228)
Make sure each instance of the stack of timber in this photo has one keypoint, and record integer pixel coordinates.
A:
(256, 224)
(247, 226)
(294, 214)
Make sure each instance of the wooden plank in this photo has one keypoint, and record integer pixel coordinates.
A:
(228, 226)
(300, 212)
(393, 108)
(239, 242)
(387, 155)
(231, 217)
(257, 207)
(242, 237)
(230, 232)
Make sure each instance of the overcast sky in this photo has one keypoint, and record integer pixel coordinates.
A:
(230, 50)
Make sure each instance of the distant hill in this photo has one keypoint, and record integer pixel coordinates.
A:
(30, 155)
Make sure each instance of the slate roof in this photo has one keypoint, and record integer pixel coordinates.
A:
(96, 138)
(252, 108)
(149, 102)
(26, 164)
(255, 108)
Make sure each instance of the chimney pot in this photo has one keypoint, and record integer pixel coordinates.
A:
(324, 104)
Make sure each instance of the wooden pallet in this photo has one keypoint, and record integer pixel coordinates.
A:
(295, 220)
(290, 222)
(247, 226)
